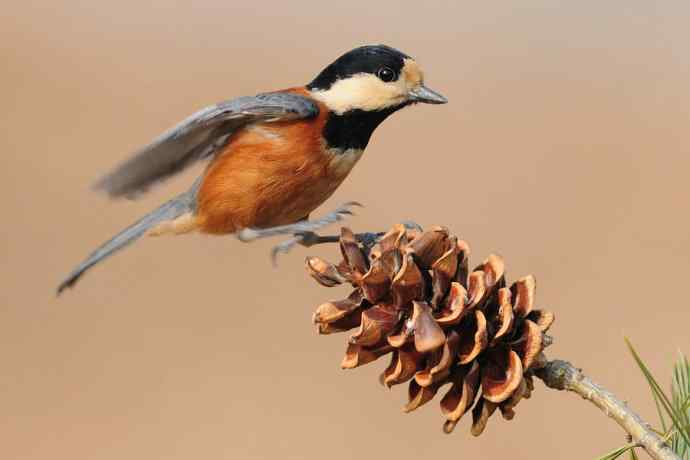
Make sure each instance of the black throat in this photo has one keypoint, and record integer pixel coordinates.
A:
(353, 129)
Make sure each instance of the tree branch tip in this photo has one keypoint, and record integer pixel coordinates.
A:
(562, 375)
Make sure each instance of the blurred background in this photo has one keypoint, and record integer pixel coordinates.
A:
(565, 148)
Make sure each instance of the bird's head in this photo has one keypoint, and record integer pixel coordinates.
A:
(372, 78)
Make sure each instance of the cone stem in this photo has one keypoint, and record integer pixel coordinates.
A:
(561, 375)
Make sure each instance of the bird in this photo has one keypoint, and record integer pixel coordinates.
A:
(271, 159)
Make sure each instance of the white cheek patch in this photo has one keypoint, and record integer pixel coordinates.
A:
(368, 92)
(364, 92)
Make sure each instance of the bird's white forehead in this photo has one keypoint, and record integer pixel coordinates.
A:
(412, 73)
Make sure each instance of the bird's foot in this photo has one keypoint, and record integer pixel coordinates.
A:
(412, 225)
(309, 239)
(304, 232)
(306, 239)
(304, 226)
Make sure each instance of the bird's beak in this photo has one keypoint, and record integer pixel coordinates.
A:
(425, 95)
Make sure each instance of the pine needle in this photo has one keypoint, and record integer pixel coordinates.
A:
(678, 418)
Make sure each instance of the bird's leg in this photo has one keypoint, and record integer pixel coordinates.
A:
(303, 226)
(304, 232)
(309, 239)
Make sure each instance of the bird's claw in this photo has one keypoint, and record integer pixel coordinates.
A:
(336, 216)
(306, 239)
(303, 232)
(283, 248)
(412, 225)
(303, 227)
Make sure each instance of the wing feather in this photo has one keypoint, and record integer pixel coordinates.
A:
(198, 137)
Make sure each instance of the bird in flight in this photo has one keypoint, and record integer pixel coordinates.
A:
(272, 158)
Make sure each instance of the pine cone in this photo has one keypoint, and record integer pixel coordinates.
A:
(416, 300)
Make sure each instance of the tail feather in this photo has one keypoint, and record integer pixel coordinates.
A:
(174, 208)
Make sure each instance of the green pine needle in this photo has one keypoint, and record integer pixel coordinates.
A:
(680, 397)
(680, 419)
(617, 453)
(676, 431)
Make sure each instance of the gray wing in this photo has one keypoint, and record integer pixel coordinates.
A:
(198, 137)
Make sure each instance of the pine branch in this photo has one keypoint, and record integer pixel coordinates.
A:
(561, 375)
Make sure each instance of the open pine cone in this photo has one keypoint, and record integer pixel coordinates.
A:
(416, 300)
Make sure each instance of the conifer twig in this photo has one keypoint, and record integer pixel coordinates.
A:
(561, 375)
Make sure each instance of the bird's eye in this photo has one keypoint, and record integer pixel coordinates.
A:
(386, 74)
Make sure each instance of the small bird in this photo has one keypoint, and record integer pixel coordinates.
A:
(272, 158)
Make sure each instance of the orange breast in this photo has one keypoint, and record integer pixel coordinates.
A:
(269, 174)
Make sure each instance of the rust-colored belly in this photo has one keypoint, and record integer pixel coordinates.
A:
(270, 175)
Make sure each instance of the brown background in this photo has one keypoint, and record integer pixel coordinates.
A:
(565, 148)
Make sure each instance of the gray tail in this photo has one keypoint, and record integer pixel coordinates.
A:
(174, 208)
